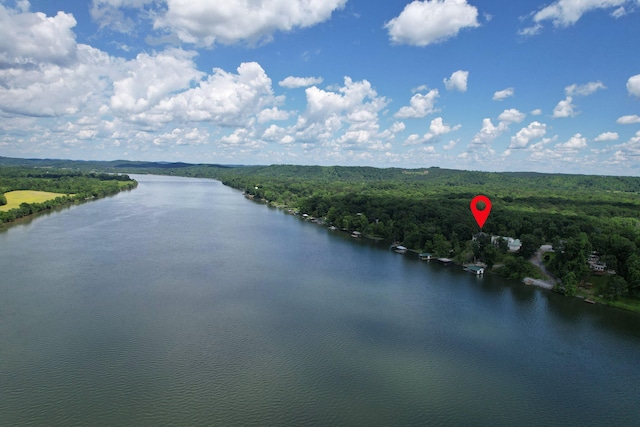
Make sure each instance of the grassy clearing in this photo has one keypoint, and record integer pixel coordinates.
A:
(15, 198)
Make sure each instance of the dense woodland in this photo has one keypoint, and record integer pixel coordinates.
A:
(73, 186)
(428, 210)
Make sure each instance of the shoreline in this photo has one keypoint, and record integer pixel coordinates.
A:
(541, 284)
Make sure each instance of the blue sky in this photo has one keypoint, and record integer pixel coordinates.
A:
(548, 86)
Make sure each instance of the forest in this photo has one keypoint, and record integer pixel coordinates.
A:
(72, 185)
(427, 210)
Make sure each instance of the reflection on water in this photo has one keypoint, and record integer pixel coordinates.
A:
(183, 303)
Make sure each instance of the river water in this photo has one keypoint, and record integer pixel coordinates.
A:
(183, 303)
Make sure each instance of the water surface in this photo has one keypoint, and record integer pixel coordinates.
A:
(182, 303)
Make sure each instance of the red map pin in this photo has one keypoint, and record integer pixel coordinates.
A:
(480, 215)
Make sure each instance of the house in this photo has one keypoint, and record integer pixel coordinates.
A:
(513, 244)
(425, 256)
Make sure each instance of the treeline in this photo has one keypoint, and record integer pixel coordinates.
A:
(428, 210)
(73, 186)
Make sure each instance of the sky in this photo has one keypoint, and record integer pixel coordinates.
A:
(501, 85)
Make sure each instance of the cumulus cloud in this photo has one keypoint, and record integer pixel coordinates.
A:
(150, 78)
(536, 112)
(503, 94)
(565, 108)
(576, 142)
(224, 98)
(342, 117)
(527, 134)
(436, 128)
(628, 152)
(420, 105)
(564, 13)
(109, 13)
(182, 136)
(422, 23)
(34, 38)
(457, 81)
(296, 82)
(633, 85)
(271, 114)
(628, 120)
(488, 132)
(207, 23)
(48, 89)
(583, 90)
(607, 136)
(512, 116)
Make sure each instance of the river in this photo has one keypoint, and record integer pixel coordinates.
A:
(183, 303)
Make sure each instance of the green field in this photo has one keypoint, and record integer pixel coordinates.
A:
(15, 198)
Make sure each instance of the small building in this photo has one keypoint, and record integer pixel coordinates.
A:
(400, 249)
(445, 261)
(513, 244)
(356, 234)
(474, 269)
(425, 256)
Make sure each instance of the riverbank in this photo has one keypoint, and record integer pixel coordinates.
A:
(28, 193)
(545, 281)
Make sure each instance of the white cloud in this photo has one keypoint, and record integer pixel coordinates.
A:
(488, 132)
(150, 78)
(450, 145)
(182, 136)
(576, 142)
(583, 90)
(628, 152)
(109, 13)
(607, 136)
(436, 128)
(503, 94)
(419, 106)
(527, 134)
(33, 38)
(224, 99)
(512, 116)
(270, 114)
(457, 81)
(628, 120)
(633, 85)
(536, 112)
(422, 23)
(297, 82)
(564, 13)
(565, 108)
(356, 105)
(206, 23)
(48, 89)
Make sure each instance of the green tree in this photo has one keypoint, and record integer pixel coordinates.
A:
(530, 244)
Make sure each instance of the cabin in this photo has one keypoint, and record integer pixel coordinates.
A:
(425, 256)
